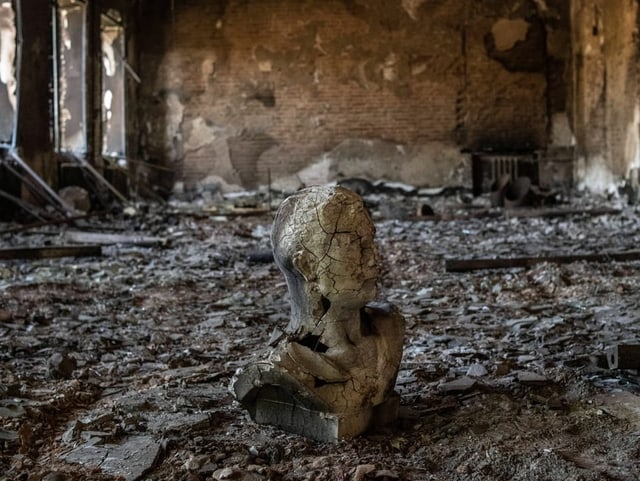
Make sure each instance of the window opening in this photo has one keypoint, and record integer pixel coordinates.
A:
(70, 75)
(8, 74)
(113, 98)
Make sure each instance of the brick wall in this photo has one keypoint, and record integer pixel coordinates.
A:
(244, 88)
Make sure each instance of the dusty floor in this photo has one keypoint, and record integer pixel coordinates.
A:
(117, 367)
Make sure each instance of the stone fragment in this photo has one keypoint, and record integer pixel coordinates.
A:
(622, 405)
(11, 409)
(528, 377)
(76, 197)
(461, 384)
(61, 366)
(525, 358)
(237, 474)
(477, 370)
(9, 436)
(362, 471)
(129, 460)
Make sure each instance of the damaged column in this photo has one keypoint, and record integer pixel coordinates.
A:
(332, 372)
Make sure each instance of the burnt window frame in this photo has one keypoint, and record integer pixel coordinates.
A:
(11, 141)
(117, 20)
(58, 129)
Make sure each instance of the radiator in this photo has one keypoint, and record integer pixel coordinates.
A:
(488, 167)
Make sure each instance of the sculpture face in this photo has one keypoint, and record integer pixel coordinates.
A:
(323, 241)
(340, 355)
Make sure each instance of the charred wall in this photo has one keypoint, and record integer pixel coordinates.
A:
(605, 51)
(238, 89)
(34, 113)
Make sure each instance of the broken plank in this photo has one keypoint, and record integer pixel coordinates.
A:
(110, 239)
(50, 252)
(560, 212)
(463, 265)
(515, 212)
(237, 211)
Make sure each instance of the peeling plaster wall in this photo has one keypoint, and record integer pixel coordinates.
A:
(605, 82)
(395, 90)
(506, 86)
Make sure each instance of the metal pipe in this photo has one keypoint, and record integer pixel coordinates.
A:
(97, 175)
(20, 203)
(14, 155)
(31, 186)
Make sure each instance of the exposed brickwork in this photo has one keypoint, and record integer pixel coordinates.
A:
(309, 75)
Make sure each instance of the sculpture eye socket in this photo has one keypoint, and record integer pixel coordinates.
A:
(326, 304)
(313, 343)
(367, 327)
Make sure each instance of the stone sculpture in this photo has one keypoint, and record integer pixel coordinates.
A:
(331, 373)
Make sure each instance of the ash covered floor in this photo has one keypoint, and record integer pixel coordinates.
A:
(117, 366)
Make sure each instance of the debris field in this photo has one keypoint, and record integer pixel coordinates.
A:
(120, 332)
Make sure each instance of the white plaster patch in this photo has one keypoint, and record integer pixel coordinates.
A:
(632, 145)
(288, 184)
(175, 113)
(432, 164)
(208, 68)
(200, 134)
(264, 66)
(318, 173)
(435, 164)
(389, 68)
(506, 33)
(412, 7)
(419, 68)
(561, 133)
(596, 177)
(543, 8)
(218, 183)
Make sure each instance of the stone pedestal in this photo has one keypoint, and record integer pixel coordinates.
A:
(275, 409)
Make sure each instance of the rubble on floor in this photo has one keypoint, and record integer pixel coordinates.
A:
(116, 365)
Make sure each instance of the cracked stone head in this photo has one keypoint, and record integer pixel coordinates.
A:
(323, 241)
(341, 352)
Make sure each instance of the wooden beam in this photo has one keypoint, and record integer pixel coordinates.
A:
(464, 265)
(109, 239)
(50, 252)
(44, 223)
(560, 212)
